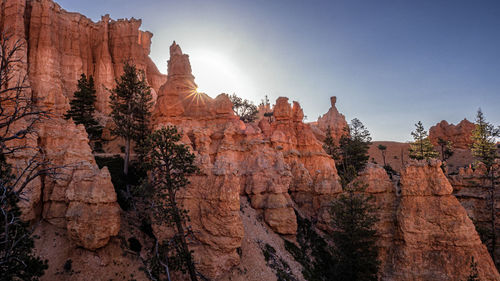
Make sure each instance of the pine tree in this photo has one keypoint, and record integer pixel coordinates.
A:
(131, 105)
(446, 149)
(329, 144)
(485, 151)
(171, 163)
(354, 238)
(351, 154)
(483, 141)
(421, 148)
(83, 108)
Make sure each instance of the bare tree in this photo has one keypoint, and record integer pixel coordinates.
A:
(19, 115)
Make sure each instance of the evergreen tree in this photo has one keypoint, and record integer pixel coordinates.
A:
(17, 260)
(329, 144)
(421, 148)
(171, 163)
(383, 150)
(351, 154)
(354, 238)
(484, 141)
(485, 151)
(446, 149)
(83, 108)
(131, 102)
(245, 109)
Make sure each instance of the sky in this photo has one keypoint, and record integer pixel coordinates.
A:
(390, 63)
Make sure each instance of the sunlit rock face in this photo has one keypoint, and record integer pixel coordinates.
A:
(459, 135)
(277, 163)
(179, 101)
(333, 120)
(434, 238)
(59, 46)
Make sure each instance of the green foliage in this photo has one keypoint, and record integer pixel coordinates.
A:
(446, 149)
(316, 260)
(421, 148)
(351, 154)
(484, 141)
(131, 102)
(170, 163)
(83, 108)
(120, 180)
(355, 251)
(245, 109)
(17, 260)
(485, 151)
(473, 275)
(329, 144)
(281, 268)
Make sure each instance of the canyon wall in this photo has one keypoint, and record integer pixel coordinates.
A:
(58, 47)
(278, 163)
(474, 192)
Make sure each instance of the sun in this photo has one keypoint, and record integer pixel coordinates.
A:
(216, 74)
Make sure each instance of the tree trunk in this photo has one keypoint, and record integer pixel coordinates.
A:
(180, 232)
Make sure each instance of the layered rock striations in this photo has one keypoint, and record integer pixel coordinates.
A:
(58, 47)
(434, 239)
(473, 189)
(276, 164)
(62, 46)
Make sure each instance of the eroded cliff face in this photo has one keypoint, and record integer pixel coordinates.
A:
(473, 189)
(58, 47)
(434, 239)
(278, 163)
(459, 135)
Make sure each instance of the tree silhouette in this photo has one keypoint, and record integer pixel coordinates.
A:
(19, 114)
(83, 108)
(354, 250)
(485, 151)
(131, 104)
(170, 164)
(245, 109)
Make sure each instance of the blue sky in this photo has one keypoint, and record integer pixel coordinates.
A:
(390, 63)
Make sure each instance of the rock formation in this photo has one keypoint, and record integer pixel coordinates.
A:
(435, 239)
(332, 119)
(58, 47)
(459, 135)
(278, 163)
(473, 191)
